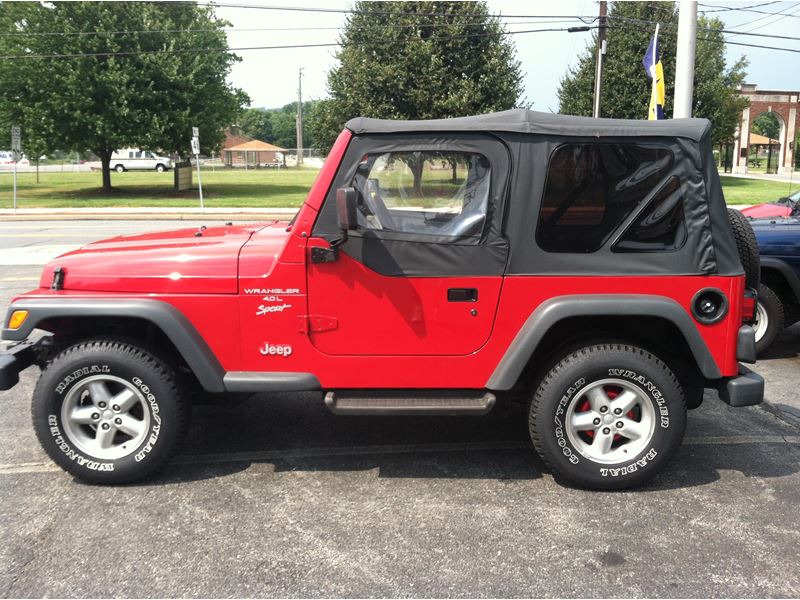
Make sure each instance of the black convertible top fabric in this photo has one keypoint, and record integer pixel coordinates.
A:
(519, 145)
(520, 120)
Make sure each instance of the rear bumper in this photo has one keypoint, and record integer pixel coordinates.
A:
(14, 359)
(746, 389)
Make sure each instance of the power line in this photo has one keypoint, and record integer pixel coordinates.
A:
(711, 29)
(723, 41)
(238, 30)
(744, 9)
(727, 8)
(794, 8)
(282, 47)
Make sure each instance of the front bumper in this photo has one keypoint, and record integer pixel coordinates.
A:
(14, 359)
(746, 389)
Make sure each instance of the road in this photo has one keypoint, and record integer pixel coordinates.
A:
(277, 497)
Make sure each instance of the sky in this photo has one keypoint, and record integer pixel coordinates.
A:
(270, 76)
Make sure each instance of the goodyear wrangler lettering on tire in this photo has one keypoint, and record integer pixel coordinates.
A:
(108, 412)
(559, 430)
(631, 468)
(139, 456)
(80, 373)
(651, 387)
(607, 416)
(62, 444)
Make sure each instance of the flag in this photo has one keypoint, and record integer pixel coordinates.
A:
(655, 72)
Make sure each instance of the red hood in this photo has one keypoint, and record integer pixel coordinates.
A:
(763, 211)
(167, 262)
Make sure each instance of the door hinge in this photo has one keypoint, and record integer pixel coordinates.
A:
(316, 323)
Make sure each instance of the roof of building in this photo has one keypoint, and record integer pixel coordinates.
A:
(528, 121)
(256, 145)
(762, 140)
(234, 139)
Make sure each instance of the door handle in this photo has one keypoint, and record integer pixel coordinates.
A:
(462, 295)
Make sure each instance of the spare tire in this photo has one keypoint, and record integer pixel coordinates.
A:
(747, 246)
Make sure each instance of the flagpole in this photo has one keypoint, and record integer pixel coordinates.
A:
(684, 63)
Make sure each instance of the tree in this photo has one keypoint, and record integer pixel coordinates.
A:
(277, 125)
(418, 60)
(767, 124)
(626, 89)
(256, 123)
(137, 74)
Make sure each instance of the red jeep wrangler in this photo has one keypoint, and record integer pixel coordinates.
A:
(588, 266)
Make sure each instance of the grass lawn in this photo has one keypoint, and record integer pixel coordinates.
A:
(755, 191)
(263, 188)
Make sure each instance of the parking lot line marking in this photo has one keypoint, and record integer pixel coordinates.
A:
(267, 455)
(19, 278)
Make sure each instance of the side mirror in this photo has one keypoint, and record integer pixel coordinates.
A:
(347, 209)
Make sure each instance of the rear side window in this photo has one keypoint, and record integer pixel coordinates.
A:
(661, 227)
(592, 188)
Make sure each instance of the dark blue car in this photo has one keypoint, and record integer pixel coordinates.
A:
(779, 292)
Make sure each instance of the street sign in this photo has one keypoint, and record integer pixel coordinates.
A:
(196, 132)
(16, 139)
(195, 146)
(16, 148)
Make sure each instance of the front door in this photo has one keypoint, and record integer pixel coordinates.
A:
(422, 275)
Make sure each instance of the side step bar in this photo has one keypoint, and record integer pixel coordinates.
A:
(405, 403)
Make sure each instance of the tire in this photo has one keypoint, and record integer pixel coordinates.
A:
(160, 168)
(769, 318)
(93, 387)
(119, 169)
(656, 408)
(747, 247)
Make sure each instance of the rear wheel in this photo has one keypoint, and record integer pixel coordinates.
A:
(769, 318)
(607, 416)
(108, 412)
(119, 169)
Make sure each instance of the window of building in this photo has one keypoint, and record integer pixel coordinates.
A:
(661, 227)
(591, 188)
(428, 193)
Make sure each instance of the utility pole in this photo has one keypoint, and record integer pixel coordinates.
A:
(601, 51)
(684, 62)
(300, 118)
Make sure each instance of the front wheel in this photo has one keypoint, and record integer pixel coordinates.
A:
(160, 168)
(119, 169)
(108, 412)
(607, 416)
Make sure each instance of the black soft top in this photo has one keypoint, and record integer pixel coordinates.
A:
(520, 120)
(519, 143)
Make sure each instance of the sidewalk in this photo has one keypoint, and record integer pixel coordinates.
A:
(130, 213)
(790, 178)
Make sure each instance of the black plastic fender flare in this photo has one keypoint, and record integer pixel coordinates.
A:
(189, 343)
(776, 264)
(559, 308)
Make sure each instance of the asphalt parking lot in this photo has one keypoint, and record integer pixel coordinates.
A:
(278, 497)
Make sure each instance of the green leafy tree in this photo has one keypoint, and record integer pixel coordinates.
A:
(626, 88)
(257, 123)
(767, 124)
(278, 125)
(399, 61)
(125, 74)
